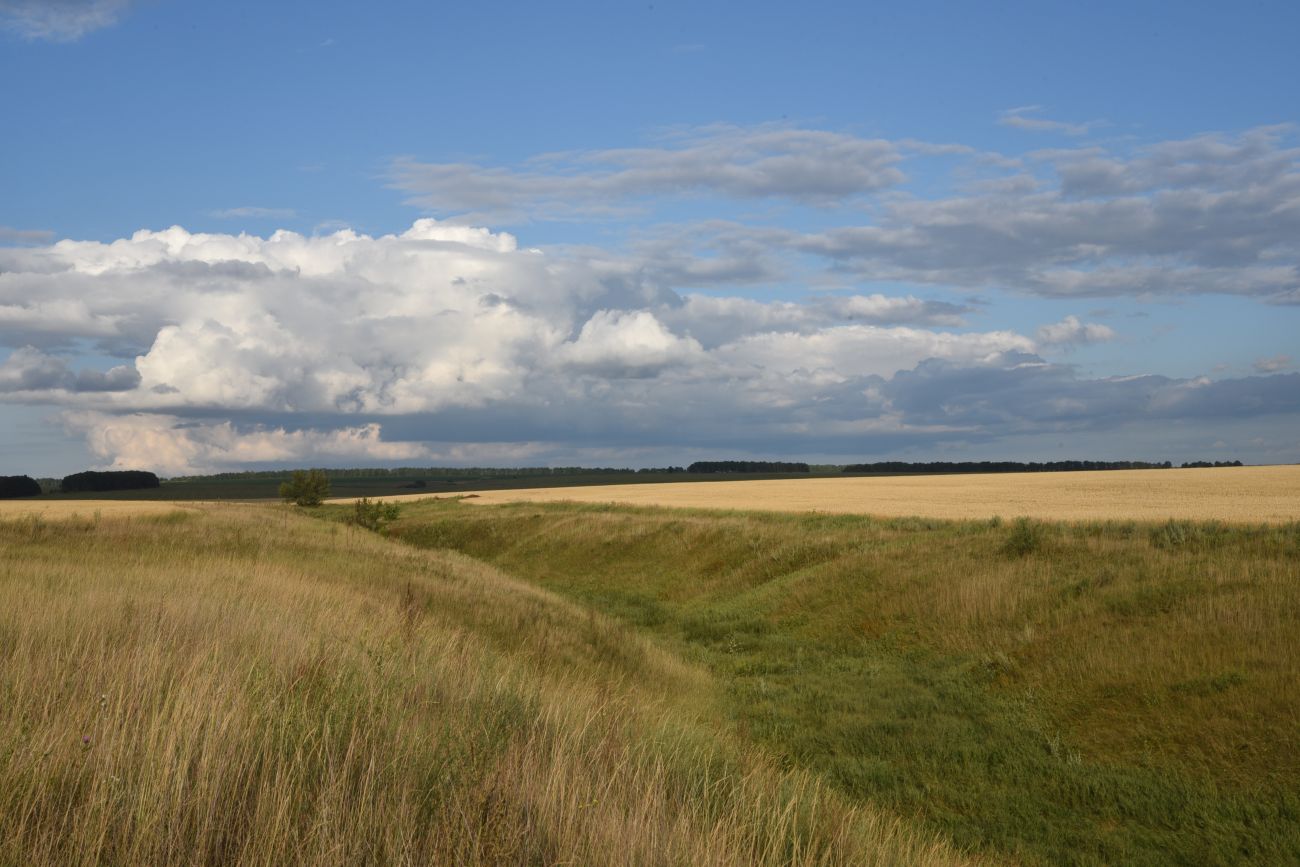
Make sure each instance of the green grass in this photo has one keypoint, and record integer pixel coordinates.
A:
(1063, 694)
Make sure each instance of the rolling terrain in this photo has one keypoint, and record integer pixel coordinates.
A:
(546, 683)
(244, 685)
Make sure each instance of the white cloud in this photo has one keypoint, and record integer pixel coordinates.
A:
(10, 235)
(1275, 364)
(1211, 214)
(238, 349)
(59, 20)
(446, 323)
(30, 372)
(256, 213)
(1070, 331)
(170, 446)
(618, 344)
(811, 166)
(1022, 118)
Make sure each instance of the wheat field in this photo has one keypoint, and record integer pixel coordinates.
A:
(1236, 494)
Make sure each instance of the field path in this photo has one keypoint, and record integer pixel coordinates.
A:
(1238, 494)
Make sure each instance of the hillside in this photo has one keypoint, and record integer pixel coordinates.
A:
(245, 685)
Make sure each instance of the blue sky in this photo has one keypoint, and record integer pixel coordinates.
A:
(833, 231)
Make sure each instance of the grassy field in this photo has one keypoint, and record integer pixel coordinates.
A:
(244, 685)
(51, 509)
(1229, 494)
(584, 683)
(1099, 693)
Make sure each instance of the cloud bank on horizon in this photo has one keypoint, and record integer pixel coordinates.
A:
(183, 351)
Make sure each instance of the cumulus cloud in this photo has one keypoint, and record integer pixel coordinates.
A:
(29, 371)
(171, 446)
(448, 341)
(615, 345)
(811, 166)
(59, 20)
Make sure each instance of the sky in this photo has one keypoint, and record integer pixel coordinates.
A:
(248, 235)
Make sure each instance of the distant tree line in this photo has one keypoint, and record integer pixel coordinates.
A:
(430, 473)
(18, 486)
(937, 467)
(746, 467)
(114, 480)
(1192, 464)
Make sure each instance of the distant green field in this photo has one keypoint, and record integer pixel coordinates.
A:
(1115, 693)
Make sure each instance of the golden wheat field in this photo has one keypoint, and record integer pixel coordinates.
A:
(1252, 494)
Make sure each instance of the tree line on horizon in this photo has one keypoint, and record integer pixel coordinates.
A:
(123, 480)
(941, 467)
(747, 467)
(90, 481)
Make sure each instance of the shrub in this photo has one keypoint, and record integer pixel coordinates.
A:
(1173, 534)
(306, 488)
(372, 514)
(1025, 538)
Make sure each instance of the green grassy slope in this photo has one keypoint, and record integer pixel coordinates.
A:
(1054, 694)
(244, 685)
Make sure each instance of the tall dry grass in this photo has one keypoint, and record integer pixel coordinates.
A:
(240, 685)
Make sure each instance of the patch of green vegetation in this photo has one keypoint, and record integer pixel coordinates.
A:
(1110, 699)
(1026, 537)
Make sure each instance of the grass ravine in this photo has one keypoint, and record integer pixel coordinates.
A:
(1104, 693)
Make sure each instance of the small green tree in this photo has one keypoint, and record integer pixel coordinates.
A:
(306, 488)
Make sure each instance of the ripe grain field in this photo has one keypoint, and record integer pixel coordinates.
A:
(1249, 494)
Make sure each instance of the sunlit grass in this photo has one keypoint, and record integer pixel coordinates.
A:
(241, 685)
